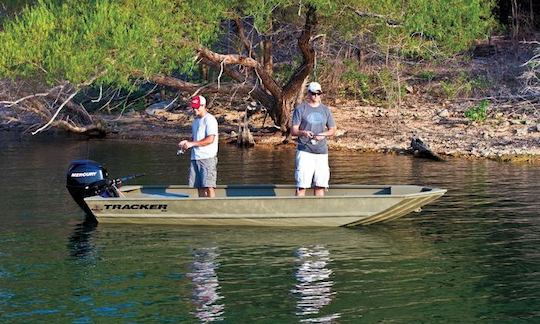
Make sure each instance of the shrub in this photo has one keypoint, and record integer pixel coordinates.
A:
(478, 112)
(354, 81)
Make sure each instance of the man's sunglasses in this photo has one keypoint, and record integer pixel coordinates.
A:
(315, 93)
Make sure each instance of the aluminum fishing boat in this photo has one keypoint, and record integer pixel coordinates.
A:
(235, 205)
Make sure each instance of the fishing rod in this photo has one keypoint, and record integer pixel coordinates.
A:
(119, 181)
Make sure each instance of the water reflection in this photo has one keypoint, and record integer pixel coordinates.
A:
(80, 243)
(471, 256)
(314, 287)
(206, 286)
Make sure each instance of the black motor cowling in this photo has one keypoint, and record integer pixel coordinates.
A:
(86, 178)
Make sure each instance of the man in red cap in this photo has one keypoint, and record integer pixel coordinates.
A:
(204, 145)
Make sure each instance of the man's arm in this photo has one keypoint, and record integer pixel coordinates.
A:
(295, 131)
(329, 132)
(205, 141)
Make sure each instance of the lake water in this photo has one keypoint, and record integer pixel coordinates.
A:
(471, 256)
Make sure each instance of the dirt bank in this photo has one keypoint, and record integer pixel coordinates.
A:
(366, 128)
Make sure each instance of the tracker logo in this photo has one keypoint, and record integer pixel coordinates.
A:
(83, 174)
(96, 209)
(162, 207)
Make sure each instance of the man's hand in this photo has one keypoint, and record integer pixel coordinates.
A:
(308, 134)
(185, 144)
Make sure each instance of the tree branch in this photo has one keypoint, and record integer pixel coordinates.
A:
(55, 114)
(363, 14)
(229, 59)
(67, 100)
(43, 94)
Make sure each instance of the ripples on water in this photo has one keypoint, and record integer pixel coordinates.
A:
(314, 287)
(469, 257)
(206, 285)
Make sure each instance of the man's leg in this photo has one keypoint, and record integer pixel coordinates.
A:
(207, 192)
(322, 175)
(202, 192)
(209, 177)
(194, 177)
(319, 191)
(303, 172)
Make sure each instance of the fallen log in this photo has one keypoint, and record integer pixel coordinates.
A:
(422, 150)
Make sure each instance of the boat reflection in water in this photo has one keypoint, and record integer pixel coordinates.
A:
(81, 245)
(314, 287)
(206, 286)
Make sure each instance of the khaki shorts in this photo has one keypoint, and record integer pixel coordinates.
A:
(203, 173)
(311, 169)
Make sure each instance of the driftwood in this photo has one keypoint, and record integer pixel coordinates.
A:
(421, 150)
(245, 138)
(96, 130)
(48, 106)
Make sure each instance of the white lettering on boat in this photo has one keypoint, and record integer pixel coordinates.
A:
(83, 174)
(136, 206)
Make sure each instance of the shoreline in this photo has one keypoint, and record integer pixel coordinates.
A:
(360, 128)
(377, 130)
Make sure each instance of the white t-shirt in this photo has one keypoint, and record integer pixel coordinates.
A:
(202, 128)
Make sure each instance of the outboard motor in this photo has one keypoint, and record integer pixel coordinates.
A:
(86, 178)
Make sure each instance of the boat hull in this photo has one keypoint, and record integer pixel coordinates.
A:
(261, 205)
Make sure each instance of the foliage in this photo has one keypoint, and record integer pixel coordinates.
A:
(77, 40)
(463, 85)
(422, 28)
(427, 75)
(449, 25)
(74, 41)
(478, 112)
(355, 82)
(393, 90)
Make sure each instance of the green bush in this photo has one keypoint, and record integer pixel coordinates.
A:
(355, 82)
(478, 112)
(463, 86)
(427, 75)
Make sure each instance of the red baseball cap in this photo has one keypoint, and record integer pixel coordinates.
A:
(197, 102)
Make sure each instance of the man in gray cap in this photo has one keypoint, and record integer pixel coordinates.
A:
(313, 123)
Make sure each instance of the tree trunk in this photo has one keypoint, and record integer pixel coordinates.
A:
(295, 87)
(531, 8)
(515, 20)
(268, 61)
(267, 48)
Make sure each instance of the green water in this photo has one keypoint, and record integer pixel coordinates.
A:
(471, 256)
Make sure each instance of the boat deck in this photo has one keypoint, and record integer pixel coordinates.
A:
(229, 191)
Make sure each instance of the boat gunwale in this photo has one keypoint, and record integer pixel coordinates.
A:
(433, 191)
